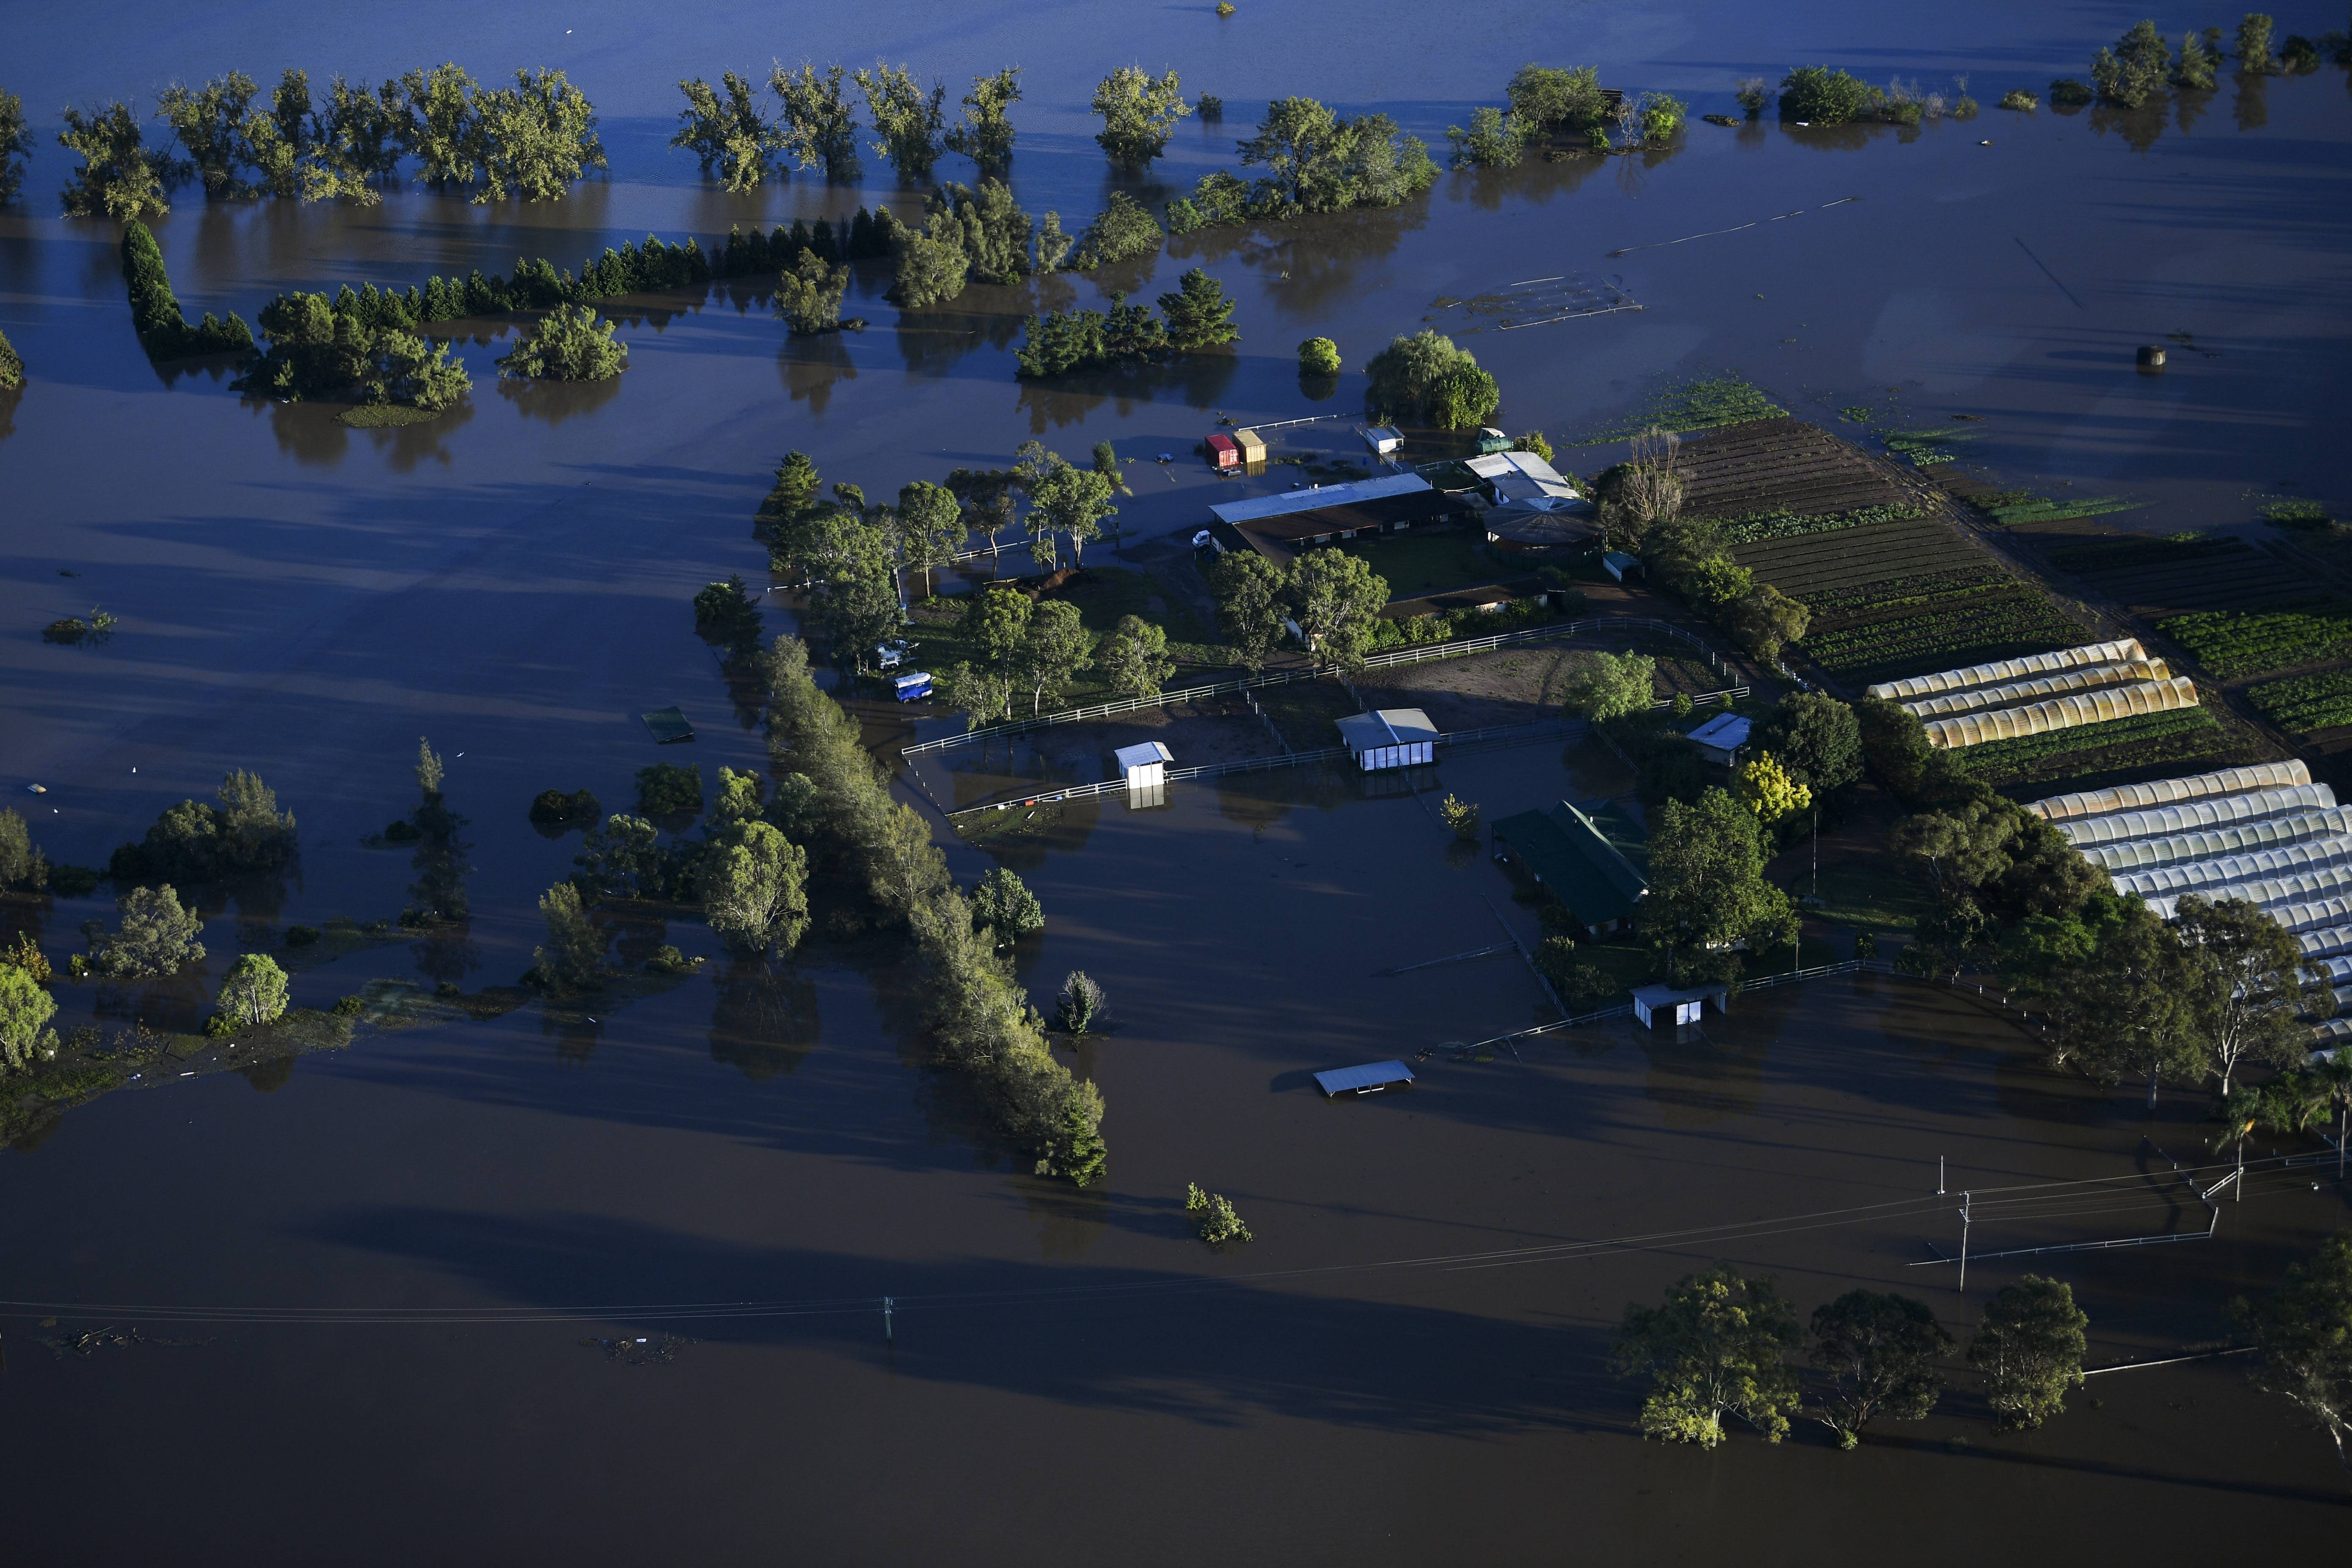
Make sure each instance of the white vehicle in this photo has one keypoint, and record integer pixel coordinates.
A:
(892, 654)
(1200, 540)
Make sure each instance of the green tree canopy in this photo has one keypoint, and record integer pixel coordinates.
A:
(1134, 658)
(808, 294)
(1140, 112)
(729, 133)
(1057, 646)
(574, 955)
(1317, 161)
(25, 1009)
(1002, 903)
(1816, 737)
(1336, 598)
(156, 937)
(819, 127)
(930, 527)
(1251, 604)
(1716, 1347)
(1199, 313)
(908, 121)
(209, 123)
(1318, 356)
(1554, 101)
(1707, 880)
(1425, 378)
(754, 889)
(444, 130)
(572, 343)
(536, 137)
(2108, 983)
(1610, 685)
(1819, 96)
(16, 145)
(2030, 1348)
(2244, 982)
(253, 992)
(984, 135)
(1879, 1353)
(119, 178)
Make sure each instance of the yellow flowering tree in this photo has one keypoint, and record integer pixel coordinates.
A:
(1769, 790)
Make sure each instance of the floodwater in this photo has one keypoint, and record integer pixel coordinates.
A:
(1071, 1372)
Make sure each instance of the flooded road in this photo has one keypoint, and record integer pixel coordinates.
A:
(1072, 1371)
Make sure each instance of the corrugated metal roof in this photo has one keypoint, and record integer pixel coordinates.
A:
(1149, 752)
(1364, 1079)
(1575, 860)
(1308, 499)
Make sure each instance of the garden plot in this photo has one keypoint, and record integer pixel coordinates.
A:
(1786, 467)
(2185, 573)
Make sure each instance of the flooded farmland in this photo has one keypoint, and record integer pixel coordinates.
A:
(389, 1299)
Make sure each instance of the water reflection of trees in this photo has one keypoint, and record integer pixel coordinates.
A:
(312, 435)
(932, 340)
(556, 401)
(439, 906)
(2139, 128)
(2249, 102)
(8, 400)
(1200, 379)
(269, 1077)
(809, 368)
(1309, 263)
(1533, 181)
(765, 1020)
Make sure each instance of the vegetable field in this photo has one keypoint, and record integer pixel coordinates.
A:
(2306, 704)
(2001, 623)
(1786, 468)
(2088, 752)
(2177, 576)
(2232, 643)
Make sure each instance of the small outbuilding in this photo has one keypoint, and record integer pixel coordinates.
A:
(1620, 565)
(1720, 738)
(667, 725)
(1372, 1077)
(1657, 1005)
(1566, 853)
(1144, 766)
(1390, 738)
(1493, 440)
(1253, 449)
(1383, 439)
(1224, 453)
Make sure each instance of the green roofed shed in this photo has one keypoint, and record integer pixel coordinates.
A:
(668, 725)
(1566, 852)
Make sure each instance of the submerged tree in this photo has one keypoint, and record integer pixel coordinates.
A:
(820, 129)
(2030, 1348)
(754, 889)
(537, 137)
(1003, 904)
(445, 129)
(1140, 112)
(25, 1009)
(1316, 160)
(253, 993)
(1199, 313)
(574, 953)
(2304, 1333)
(908, 121)
(808, 294)
(210, 124)
(572, 343)
(1080, 1006)
(1879, 1353)
(156, 938)
(119, 178)
(984, 135)
(1716, 1347)
(729, 134)
(16, 145)
(1424, 377)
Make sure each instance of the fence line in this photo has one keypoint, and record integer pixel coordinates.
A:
(1416, 655)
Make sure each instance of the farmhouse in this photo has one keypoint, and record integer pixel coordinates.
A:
(1278, 526)
(1566, 853)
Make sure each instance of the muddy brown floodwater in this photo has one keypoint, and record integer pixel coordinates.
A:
(402, 1246)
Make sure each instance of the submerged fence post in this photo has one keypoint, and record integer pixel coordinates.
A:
(887, 1338)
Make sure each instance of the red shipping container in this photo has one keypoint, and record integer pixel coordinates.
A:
(1222, 453)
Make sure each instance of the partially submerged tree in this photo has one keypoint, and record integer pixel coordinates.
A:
(1336, 598)
(574, 953)
(157, 937)
(1003, 904)
(908, 121)
(2030, 1348)
(729, 135)
(819, 127)
(1879, 1353)
(1134, 658)
(1708, 891)
(537, 137)
(209, 123)
(16, 145)
(1718, 1347)
(1140, 112)
(1199, 313)
(754, 889)
(1213, 1215)
(2303, 1332)
(808, 294)
(572, 343)
(1425, 378)
(253, 993)
(1610, 685)
(1080, 1006)
(25, 1009)
(984, 135)
(119, 178)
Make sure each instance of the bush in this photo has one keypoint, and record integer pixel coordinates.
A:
(1534, 442)
(1318, 356)
(1461, 816)
(554, 809)
(302, 936)
(2017, 98)
(574, 343)
(349, 1007)
(1214, 1216)
(1819, 96)
(667, 787)
(1080, 1006)
(2068, 93)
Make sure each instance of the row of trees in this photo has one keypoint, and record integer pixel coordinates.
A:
(2141, 63)
(1720, 1346)
(1332, 596)
(1641, 503)
(817, 125)
(533, 140)
(1548, 106)
(1037, 647)
(1197, 314)
(163, 330)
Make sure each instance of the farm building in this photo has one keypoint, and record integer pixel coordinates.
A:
(1144, 766)
(1622, 566)
(1719, 738)
(1520, 476)
(1390, 738)
(1372, 1077)
(1656, 1005)
(1566, 852)
(1522, 526)
(1493, 440)
(1278, 526)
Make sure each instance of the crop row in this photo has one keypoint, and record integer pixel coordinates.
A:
(1911, 593)
(2232, 643)
(2303, 703)
(2183, 735)
(2002, 626)
(1760, 526)
(2015, 513)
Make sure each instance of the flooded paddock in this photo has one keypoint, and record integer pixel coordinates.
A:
(404, 1244)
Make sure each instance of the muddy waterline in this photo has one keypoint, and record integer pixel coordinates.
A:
(306, 599)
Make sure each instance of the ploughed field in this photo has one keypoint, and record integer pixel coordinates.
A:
(1786, 467)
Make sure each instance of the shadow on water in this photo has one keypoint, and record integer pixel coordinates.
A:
(1200, 379)
(557, 401)
(764, 1021)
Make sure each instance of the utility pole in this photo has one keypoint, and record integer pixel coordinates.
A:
(1964, 1244)
(889, 1339)
(1939, 1176)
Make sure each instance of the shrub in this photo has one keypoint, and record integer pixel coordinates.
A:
(1004, 903)
(302, 936)
(1461, 816)
(1318, 356)
(1819, 96)
(1752, 95)
(554, 809)
(349, 1007)
(574, 343)
(1214, 1216)
(2017, 98)
(1080, 1006)
(2068, 93)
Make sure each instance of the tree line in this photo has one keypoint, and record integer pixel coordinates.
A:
(533, 140)
(1195, 315)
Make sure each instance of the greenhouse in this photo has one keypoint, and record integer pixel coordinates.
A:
(2219, 810)
(2063, 713)
(2170, 792)
(2140, 854)
(2009, 669)
(2286, 860)
(2057, 684)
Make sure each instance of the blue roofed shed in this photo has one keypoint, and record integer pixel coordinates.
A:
(1566, 852)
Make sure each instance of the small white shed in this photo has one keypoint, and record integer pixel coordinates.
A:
(1390, 738)
(1720, 738)
(1663, 1005)
(1144, 766)
(1621, 566)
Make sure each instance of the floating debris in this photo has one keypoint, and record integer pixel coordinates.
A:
(1534, 302)
(643, 1351)
(90, 1342)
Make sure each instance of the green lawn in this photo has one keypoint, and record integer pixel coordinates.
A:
(1417, 564)
(1868, 893)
